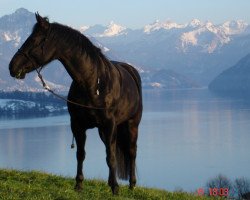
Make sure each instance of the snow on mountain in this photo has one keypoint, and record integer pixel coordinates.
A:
(18, 107)
(204, 35)
(209, 36)
(157, 25)
(160, 45)
(113, 30)
(195, 23)
(82, 29)
(13, 104)
(189, 38)
(234, 27)
(8, 36)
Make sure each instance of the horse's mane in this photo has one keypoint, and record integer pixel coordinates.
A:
(75, 39)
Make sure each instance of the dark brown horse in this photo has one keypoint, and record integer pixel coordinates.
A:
(110, 90)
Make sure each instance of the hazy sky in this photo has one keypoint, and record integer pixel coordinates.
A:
(132, 13)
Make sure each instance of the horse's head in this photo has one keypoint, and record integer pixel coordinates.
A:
(36, 51)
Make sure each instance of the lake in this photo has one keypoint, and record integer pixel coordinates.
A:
(186, 137)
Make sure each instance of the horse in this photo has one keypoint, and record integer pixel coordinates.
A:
(107, 94)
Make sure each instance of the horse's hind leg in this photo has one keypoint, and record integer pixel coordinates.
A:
(133, 134)
(108, 136)
(80, 136)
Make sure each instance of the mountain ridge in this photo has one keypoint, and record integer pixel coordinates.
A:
(197, 50)
(235, 79)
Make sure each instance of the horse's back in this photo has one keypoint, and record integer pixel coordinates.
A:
(128, 104)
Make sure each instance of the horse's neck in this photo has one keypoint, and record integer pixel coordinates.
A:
(83, 71)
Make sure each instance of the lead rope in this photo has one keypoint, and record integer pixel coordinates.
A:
(72, 144)
(46, 87)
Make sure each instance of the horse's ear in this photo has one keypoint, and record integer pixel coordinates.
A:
(43, 22)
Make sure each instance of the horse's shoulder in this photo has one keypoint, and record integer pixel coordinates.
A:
(130, 70)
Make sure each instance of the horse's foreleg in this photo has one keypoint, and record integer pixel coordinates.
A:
(109, 132)
(80, 137)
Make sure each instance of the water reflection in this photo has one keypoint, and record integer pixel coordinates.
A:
(185, 138)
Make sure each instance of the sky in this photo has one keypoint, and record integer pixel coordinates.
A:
(132, 13)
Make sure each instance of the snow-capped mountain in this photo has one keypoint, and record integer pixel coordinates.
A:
(205, 35)
(16, 26)
(199, 50)
(157, 25)
(234, 27)
(187, 53)
(111, 30)
(220, 35)
(195, 23)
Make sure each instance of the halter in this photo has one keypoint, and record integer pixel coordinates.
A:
(21, 52)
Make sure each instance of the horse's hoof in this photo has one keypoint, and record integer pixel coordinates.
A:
(115, 190)
(131, 187)
(78, 187)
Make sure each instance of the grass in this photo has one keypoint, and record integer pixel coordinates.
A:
(36, 185)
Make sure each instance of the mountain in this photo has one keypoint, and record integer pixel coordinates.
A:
(16, 27)
(166, 79)
(198, 50)
(167, 54)
(202, 35)
(236, 79)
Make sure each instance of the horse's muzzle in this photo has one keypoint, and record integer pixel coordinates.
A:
(20, 74)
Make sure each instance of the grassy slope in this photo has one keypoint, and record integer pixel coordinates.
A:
(36, 185)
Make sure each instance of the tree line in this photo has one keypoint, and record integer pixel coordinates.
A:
(237, 189)
(41, 97)
(30, 104)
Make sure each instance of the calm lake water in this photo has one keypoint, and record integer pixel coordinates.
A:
(186, 137)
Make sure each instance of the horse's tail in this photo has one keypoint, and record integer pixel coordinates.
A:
(122, 151)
